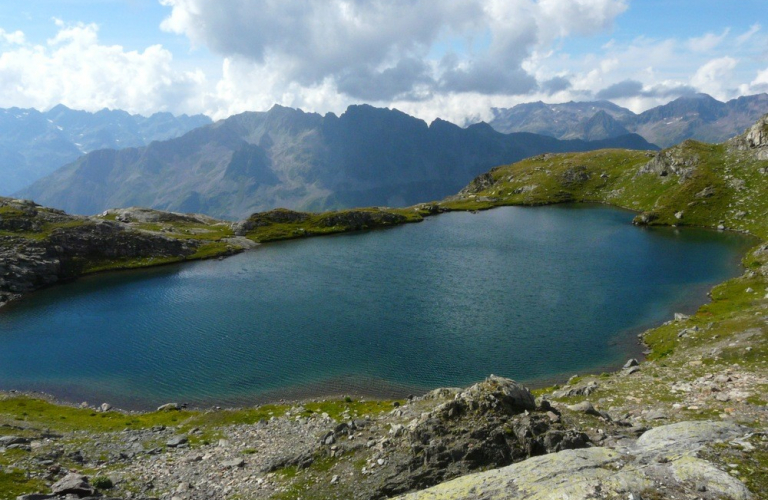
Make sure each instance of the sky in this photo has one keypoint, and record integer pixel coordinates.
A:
(454, 59)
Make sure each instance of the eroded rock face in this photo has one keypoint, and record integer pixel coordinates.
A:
(575, 175)
(490, 424)
(754, 139)
(674, 161)
(54, 253)
(663, 458)
(478, 184)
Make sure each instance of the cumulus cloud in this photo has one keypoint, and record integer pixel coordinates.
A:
(713, 77)
(555, 85)
(431, 58)
(73, 68)
(15, 38)
(375, 50)
(759, 84)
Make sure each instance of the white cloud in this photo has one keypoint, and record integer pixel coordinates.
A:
(74, 69)
(758, 85)
(15, 38)
(714, 77)
(744, 38)
(383, 51)
(707, 42)
(453, 59)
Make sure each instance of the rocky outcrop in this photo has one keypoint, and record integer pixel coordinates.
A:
(355, 220)
(575, 175)
(490, 424)
(754, 139)
(677, 161)
(148, 215)
(263, 219)
(478, 184)
(662, 460)
(41, 246)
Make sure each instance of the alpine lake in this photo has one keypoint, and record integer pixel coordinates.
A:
(534, 294)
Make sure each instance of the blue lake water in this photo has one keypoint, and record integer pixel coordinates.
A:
(527, 293)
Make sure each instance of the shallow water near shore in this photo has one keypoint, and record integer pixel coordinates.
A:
(527, 293)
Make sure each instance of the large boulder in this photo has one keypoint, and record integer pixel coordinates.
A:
(498, 393)
(73, 484)
(490, 424)
(591, 473)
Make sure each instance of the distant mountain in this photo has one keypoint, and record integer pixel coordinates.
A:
(287, 158)
(557, 120)
(699, 117)
(600, 126)
(34, 144)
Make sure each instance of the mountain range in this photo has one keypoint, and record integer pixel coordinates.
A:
(285, 157)
(699, 117)
(34, 144)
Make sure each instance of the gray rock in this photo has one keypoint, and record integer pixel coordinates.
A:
(579, 390)
(73, 484)
(656, 415)
(35, 496)
(499, 391)
(584, 407)
(12, 440)
(234, 463)
(688, 436)
(23, 447)
(176, 441)
(328, 438)
(632, 362)
(605, 473)
(169, 407)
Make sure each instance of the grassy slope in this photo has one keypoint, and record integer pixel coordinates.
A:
(735, 197)
(611, 176)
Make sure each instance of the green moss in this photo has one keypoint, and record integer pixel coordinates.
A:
(102, 483)
(335, 409)
(128, 263)
(42, 414)
(751, 467)
(301, 483)
(269, 227)
(211, 250)
(247, 416)
(15, 483)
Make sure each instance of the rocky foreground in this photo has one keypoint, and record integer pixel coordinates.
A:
(556, 449)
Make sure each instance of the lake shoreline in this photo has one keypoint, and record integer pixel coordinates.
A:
(382, 391)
